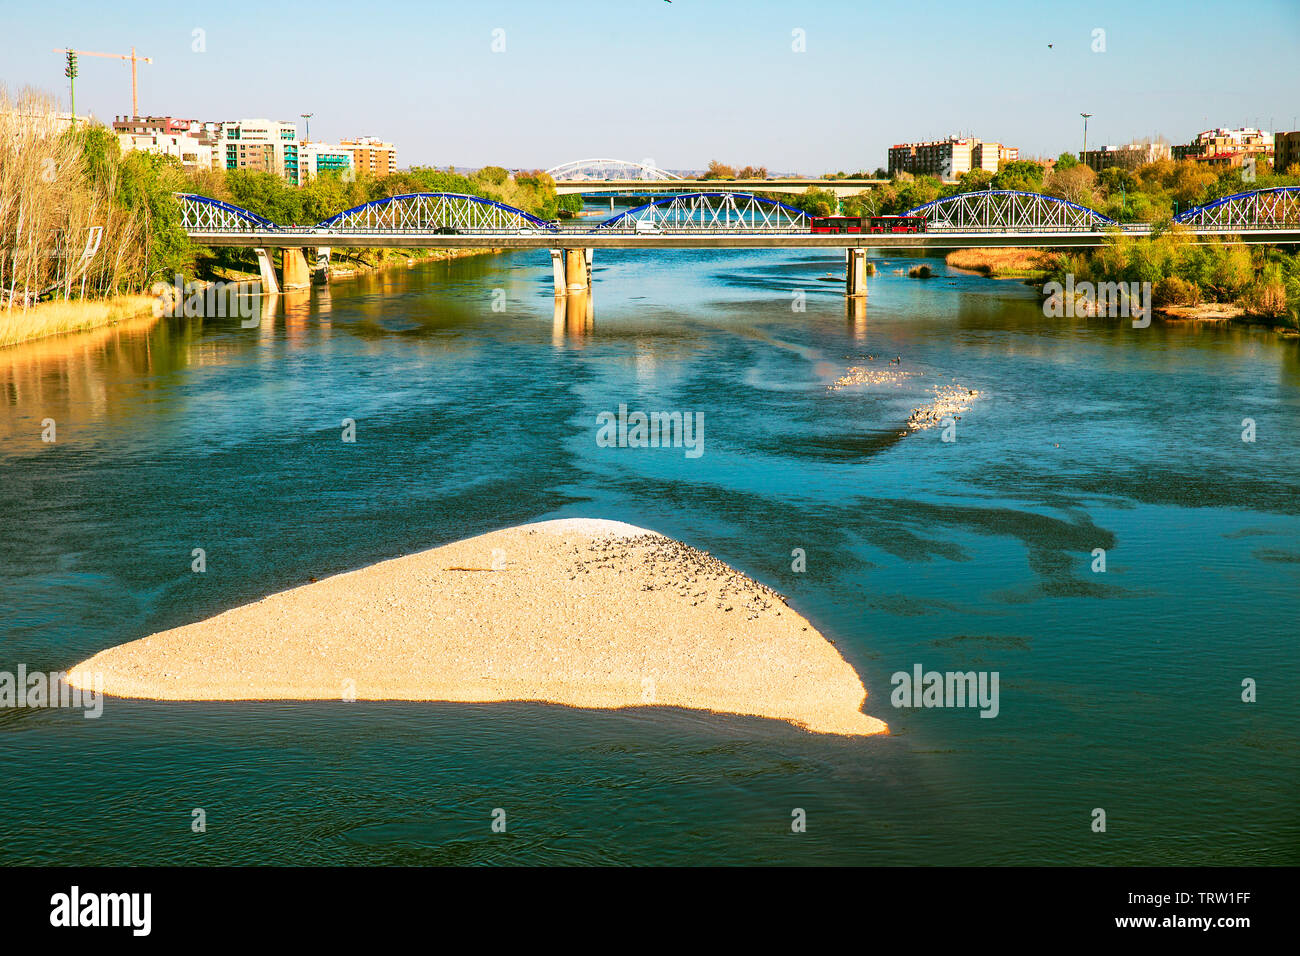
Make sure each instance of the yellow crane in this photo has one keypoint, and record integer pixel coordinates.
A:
(72, 71)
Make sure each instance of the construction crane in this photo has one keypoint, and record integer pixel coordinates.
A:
(135, 100)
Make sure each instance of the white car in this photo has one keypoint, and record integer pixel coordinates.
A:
(647, 225)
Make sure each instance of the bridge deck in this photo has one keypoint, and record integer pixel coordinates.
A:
(696, 239)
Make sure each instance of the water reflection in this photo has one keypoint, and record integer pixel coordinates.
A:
(855, 311)
(574, 318)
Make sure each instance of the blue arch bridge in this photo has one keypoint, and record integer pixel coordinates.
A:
(711, 220)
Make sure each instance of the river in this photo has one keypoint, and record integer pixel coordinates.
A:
(475, 407)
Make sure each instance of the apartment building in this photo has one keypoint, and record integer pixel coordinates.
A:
(1128, 156)
(189, 140)
(259, 144)
(1227, 147)
(371, 155)
(949, 158)
(1286, 150)
(317, 158)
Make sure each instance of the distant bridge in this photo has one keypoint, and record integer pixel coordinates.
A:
(588, 170)
(621, 177)
(711, 220)
(639, 187)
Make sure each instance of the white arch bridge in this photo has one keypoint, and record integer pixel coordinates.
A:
(717, 219)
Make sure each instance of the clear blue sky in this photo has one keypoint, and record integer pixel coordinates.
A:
(680, 83)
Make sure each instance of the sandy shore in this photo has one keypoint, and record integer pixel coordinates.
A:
(580, 612)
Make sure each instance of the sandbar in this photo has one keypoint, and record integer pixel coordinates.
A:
(581, 612)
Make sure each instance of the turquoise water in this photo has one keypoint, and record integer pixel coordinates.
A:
(1119, 690)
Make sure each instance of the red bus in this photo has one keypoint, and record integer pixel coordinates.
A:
(868, 224)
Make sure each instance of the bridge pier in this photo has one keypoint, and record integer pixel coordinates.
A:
(321, 266)
(267, 270)
(855, 273)
(577, 269)
(557, 272)
(296, 273)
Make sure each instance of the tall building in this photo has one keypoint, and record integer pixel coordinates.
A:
(1128, 156)
(949, 158)
(1286, 150)
(260, 144)
(371, 155)
(1227, 147)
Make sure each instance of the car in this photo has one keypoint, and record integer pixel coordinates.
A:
(647, 225)
(525, 232)
(446, 231)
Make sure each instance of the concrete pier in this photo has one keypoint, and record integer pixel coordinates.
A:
(557, 271)
(267, 270)
(577, 270)
(321, 264)
(855, 272)
(296, 273)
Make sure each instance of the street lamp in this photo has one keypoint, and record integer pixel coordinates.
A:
(1084, 156)
(306, 136)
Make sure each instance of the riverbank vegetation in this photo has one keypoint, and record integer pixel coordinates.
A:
(77, 219)
(998, 263)
(1263, 282)
(68, 315)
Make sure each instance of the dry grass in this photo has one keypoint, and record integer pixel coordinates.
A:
(75, 315)
(999, 263)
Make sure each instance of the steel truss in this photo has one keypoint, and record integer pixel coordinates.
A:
(1261, 208)
(201, 214)
(709, 212)
(1008, 210)
(428, 212)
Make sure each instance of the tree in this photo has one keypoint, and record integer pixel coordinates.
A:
(492, 175)
(1073, 183)
(718, 171)
(974, 180)
(1066, 161)
(1022, 175)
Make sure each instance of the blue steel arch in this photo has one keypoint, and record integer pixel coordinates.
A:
(975, 194)
(669, 200)
(1187, 215)
(220, 207)
(490, 203)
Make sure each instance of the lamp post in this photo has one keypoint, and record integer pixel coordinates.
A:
(306, 136)
(1084, 155)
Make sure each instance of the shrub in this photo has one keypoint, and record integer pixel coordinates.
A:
(1172, 290)
(1266, 296)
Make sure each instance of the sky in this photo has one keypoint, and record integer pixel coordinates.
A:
(806, 86)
